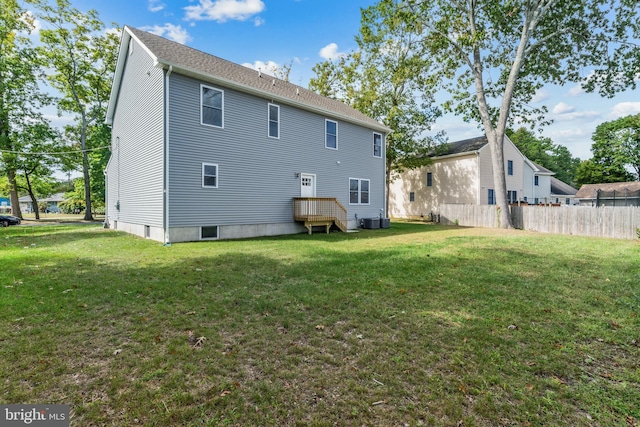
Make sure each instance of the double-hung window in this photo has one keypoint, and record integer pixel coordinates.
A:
(429, 179)
(212, 106)
(358, 191)
(491, 197)
(331, 134)
(209, 175)
(536, 180)
(274, 121)
(377, 145)
(509, 167)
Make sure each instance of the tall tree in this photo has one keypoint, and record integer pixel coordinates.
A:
(20, 97)
(616, 144)
(496, 54)
(387, 78)
(39, 144)
(83, 58)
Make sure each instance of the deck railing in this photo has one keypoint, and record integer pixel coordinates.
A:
(320, 209)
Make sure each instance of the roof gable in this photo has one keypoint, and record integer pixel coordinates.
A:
(182, 59)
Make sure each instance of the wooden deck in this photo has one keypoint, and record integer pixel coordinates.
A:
(319, 211)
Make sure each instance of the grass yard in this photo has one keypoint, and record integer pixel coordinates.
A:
(414, 325)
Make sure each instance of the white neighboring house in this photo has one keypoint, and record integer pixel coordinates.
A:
(26, 205)
(462, 173)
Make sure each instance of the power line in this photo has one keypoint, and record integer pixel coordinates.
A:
(52, 153)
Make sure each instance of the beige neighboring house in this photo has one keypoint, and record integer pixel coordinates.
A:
(462, 173)
(610, 194)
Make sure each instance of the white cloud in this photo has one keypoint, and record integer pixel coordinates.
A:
(623, 109)
(540, 95)
(576, 91)
(268, 67)
(330, 52)
(224, 10)
(258, 21)
(34, 24)
(584, 116)
(563, 108)
(155, 6)
(170, 31)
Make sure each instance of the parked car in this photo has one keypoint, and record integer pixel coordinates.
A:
(7, 220)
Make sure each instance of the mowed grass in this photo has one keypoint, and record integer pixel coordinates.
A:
(414, 325)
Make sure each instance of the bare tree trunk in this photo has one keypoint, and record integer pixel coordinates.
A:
(34, 201)
(13, 193)
(88, 214)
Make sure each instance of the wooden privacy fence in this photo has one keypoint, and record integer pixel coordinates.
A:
(618, 222)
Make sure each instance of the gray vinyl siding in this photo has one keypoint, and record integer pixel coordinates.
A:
(135, 174)
(257, 174)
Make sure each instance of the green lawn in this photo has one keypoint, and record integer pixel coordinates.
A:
(414, 325)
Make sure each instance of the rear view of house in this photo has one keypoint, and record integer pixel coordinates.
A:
(203, 148)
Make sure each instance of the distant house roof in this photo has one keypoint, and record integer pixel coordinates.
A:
(542, 170)
(168, 54)
(57, 197)
(561, 188)
(590, 191)
(459, 147)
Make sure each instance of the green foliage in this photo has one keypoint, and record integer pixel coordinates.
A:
(616, 145)
(494, 55)
(83, 57)
(388, 79)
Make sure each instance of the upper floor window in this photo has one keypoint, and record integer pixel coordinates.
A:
(377, 145)
(510, 167)
(212, 106)
(331, 134)
(536, 180)
(429, 179)
(274, 121)
(209, 175)
(358, 191)
(491, 197)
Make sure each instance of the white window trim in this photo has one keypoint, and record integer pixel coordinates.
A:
(269, 105)
(217, 175)
(326, 134)
(374, 145)
(360, 191)
(201, 105)
(210, 238)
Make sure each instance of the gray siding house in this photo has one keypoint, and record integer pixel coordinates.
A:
(203, 148)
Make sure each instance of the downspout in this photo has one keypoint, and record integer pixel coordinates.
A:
(479, 194)
(167, 239)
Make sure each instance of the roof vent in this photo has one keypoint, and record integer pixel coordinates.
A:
(273, 82)
(259, 73)
(297, 91)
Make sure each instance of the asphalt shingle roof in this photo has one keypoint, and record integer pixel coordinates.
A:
(192, 61)
(559, 187)
(457, 147)
(589, 191)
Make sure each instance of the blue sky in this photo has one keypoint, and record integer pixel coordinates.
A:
(267, 33)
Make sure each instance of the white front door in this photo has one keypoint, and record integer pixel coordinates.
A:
(307, 185)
